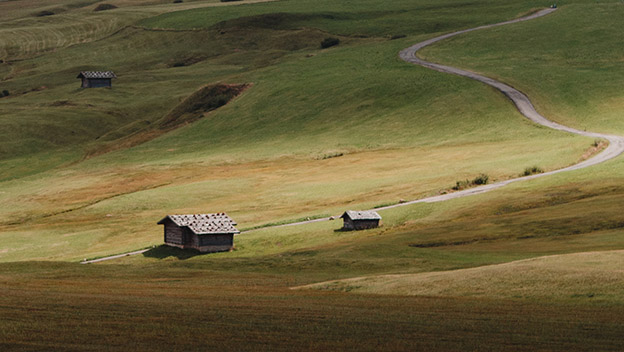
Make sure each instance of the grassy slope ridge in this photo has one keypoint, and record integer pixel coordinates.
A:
(595, 275)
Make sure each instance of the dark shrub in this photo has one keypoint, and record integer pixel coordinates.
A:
(229, 0)
(481, 180)
(459, 185)
(532, 170)
(104, 7)
(397, 36)
(5, 93)
(44, 13)
(177, 1)
(329, 41)
(477, 181)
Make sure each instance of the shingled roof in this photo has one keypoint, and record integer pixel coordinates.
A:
(361, 215)
(204, 224)
(97, 74)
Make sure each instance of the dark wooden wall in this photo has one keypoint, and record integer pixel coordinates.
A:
(359, 224)
(173, 234)
(96, 83)
(366, 224)
(348, 224)
(216, 240)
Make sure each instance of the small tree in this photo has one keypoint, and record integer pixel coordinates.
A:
(5, 93)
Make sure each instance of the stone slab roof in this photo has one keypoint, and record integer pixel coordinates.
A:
(97, 74)
(361, 215)
(204, 224)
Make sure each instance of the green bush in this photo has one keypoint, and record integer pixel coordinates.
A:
(177, 1)
(477, 181)
(532, 170)
(481, 180)
(329, 41)
(5, 93)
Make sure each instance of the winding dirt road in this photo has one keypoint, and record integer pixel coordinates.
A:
(523, 104)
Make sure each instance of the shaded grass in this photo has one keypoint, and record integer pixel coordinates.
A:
(120, 307)
(362, 18)
(191, 109)
(591, 277)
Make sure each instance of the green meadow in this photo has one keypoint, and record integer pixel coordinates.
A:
(86, 173)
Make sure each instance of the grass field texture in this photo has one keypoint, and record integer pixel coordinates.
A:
(531, 266)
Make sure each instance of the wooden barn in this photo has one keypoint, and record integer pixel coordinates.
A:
(360, 220)
(96, 79)
(203, 232)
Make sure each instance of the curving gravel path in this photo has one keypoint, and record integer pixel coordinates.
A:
(523, 104)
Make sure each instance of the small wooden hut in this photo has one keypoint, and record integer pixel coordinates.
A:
(203, 232)
(96, 79)
(360, 220)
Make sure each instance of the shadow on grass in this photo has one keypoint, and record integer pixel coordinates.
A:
(164, 251)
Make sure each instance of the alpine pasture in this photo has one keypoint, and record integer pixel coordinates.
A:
(235, 107)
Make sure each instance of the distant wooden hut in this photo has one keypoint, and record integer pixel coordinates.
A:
(96, 79)
(203, 232)
(360, 220)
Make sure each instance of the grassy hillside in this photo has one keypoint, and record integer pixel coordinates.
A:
(572, 71)
(403, 132)
(87, 173)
